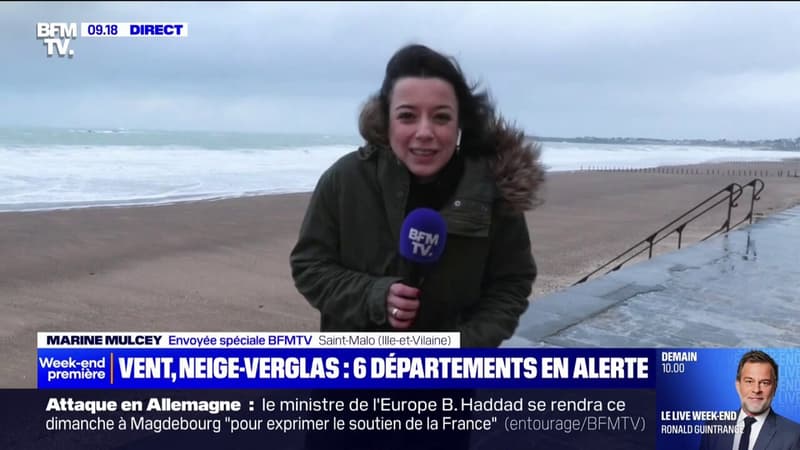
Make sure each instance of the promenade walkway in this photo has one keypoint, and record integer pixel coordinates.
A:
(741, 289)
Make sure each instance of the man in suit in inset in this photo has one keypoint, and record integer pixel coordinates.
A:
(758, 426)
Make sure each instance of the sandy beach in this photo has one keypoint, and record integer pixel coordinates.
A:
(224, 265)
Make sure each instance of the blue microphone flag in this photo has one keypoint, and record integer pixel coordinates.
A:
(423, 236)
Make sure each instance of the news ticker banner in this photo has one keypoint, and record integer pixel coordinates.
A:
(331, 419)
(57, 36)
(657, 398)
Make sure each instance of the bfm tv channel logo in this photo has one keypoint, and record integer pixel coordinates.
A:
(422, 241)
(57, 36)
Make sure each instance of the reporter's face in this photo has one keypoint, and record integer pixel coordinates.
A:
(423, 124)
(756, 387)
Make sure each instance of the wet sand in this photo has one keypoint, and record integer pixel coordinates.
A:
(224, 265)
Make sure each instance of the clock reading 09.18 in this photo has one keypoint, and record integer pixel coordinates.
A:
(102, 29)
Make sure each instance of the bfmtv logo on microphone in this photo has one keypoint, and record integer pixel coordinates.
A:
(422, 242)
(423, 236)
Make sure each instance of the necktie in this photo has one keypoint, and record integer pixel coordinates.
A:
(744, 444)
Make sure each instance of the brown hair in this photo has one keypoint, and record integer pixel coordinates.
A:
(475, 110)
(756, 356)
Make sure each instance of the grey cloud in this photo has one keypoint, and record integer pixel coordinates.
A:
(659, 69)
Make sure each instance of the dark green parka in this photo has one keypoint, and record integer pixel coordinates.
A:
(347, 254)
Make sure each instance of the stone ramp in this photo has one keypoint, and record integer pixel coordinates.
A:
(741, 289)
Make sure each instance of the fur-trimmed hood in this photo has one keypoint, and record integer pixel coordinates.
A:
(516, 167)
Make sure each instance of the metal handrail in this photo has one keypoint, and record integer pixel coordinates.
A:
(732, 193)
(756, 191)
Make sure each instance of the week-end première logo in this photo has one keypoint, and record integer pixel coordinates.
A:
(57, 36)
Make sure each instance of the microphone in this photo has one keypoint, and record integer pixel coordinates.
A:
(422, 239)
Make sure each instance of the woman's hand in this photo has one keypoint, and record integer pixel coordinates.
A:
(402, 305)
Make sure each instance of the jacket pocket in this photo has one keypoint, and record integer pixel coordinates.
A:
(468, 218)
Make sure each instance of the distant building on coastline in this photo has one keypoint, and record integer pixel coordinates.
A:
(774, 144)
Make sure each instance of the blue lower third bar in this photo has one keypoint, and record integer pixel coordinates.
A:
(344, 368)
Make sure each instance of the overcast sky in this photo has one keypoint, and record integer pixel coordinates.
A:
(671, 70)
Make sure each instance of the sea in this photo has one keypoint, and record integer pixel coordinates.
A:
(48, 169)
